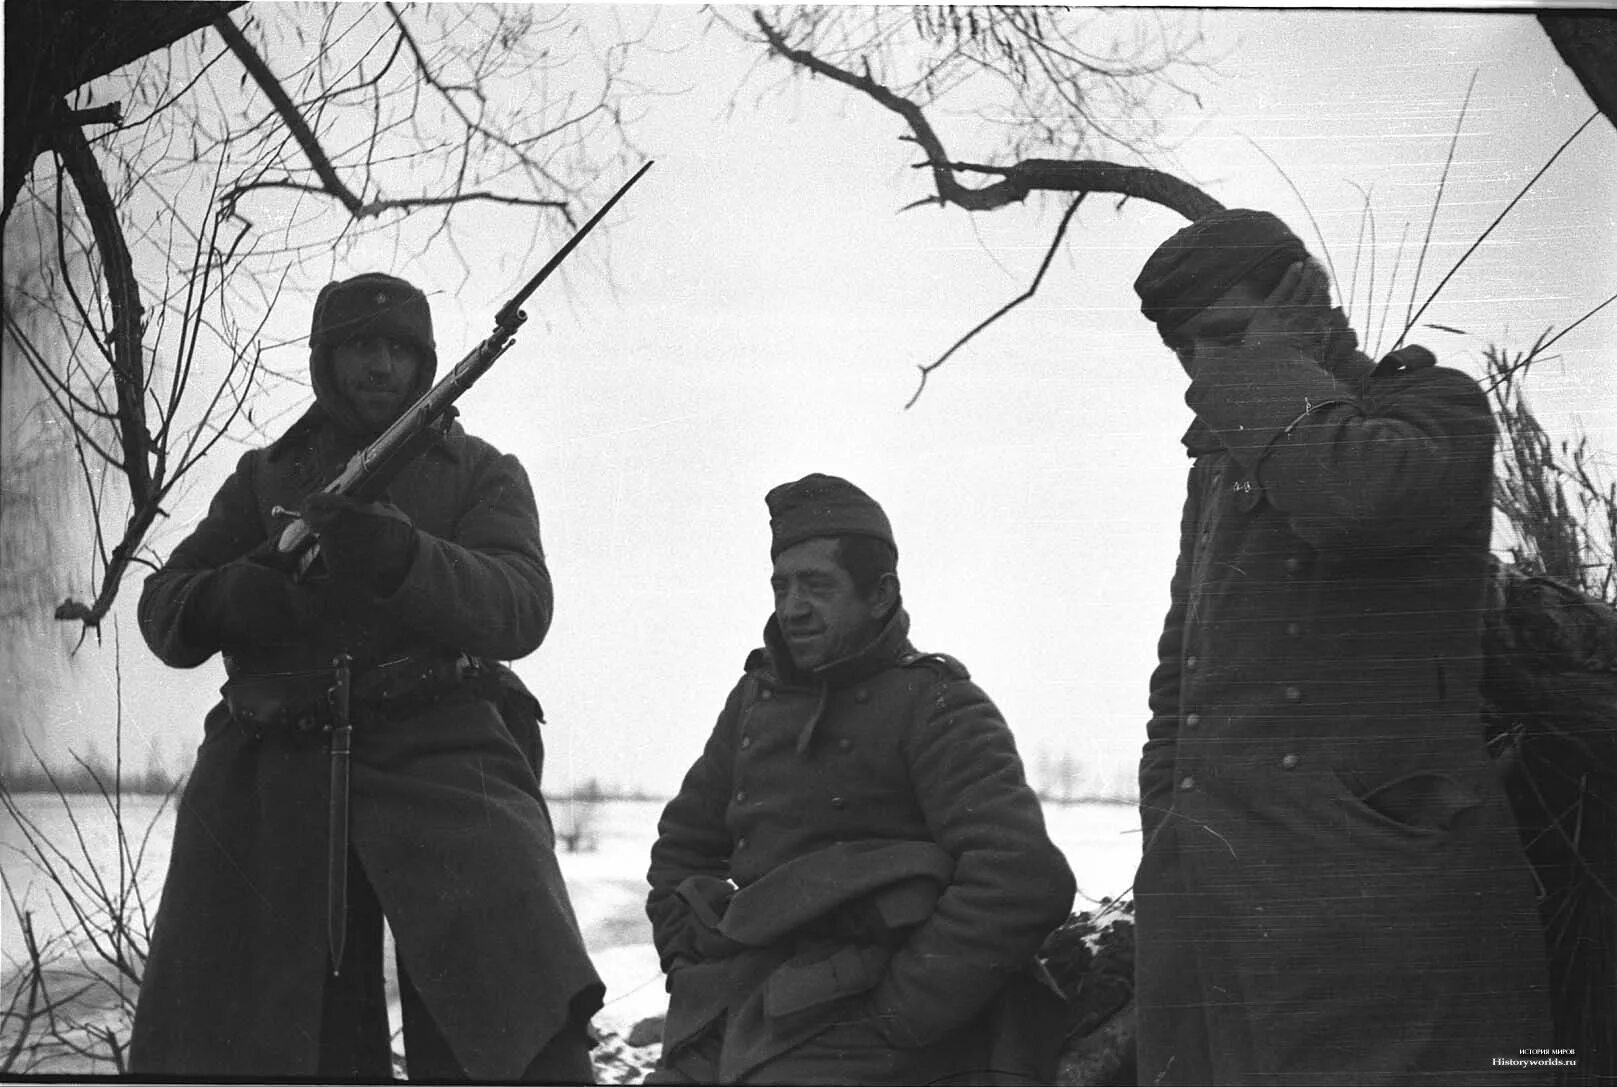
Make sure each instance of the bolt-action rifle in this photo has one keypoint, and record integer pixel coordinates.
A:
(369, 471)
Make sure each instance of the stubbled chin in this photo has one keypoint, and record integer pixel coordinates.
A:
(376, 411)
(805, 654)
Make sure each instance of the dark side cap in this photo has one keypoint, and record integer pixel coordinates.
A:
(1194, 268)
(821, 505)
(372, 304)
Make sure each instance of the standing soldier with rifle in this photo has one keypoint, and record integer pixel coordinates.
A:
(370, 758)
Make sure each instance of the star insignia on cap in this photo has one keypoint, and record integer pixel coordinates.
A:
(381, 298)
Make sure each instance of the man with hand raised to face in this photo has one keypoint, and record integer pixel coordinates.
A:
(447, 834)
(1332, 888)
(854, 877)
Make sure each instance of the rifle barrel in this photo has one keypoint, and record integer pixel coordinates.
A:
(513, 307)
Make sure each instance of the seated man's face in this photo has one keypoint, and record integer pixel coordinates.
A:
(376, 375)
(1222, 324)
(822, 616)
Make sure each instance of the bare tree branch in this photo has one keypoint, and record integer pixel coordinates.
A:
(1085, 176)
(408, 203)
(1020, 178)
(289, 114)
(128, 365)
(1017, 180)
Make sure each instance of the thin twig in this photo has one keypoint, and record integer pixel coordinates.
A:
(1551, 341)
(1497, 220)
(1044, 266)
(1437, 202)
(1325, 250)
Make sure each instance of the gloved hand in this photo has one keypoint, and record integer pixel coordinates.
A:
(1291, 335)
(1296, 313)
(371, 544)
(690, 920)
(251, 602)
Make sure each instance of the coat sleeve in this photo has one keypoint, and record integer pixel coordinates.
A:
(692, 839)
(1011, 885)
(230, 529)
(1162, 730)
(485, 589)
(1391, 462)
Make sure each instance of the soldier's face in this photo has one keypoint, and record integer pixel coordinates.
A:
(822, 616)
(1220, 325)
(376, 375)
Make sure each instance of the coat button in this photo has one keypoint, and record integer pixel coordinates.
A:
(1192, 720)
(838, 803)
(746, 742)
(1190, 664)
(1294, 694)
(861, 695)
(1294, 630)
(741, 796)
(1289, 762)
(1293, 564)
(845, 744)
(741, 843)
(1187, 783)
(766, 695)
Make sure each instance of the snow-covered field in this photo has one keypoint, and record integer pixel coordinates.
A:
(606, 877)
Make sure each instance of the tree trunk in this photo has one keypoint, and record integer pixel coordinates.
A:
(1588, 44)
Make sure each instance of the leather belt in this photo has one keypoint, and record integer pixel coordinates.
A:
(300, 702)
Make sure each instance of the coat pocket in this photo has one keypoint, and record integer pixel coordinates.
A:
(697, 997)
(797, 986)
(1423, 803)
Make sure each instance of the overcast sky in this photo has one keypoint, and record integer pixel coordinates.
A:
(768, 305)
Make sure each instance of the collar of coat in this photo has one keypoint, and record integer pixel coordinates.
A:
(315, 428)
(889, 648)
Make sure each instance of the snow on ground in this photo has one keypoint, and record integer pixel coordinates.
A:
(605, 878)
(1102, 844)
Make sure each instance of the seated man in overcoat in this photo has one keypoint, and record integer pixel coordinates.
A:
(855, 871)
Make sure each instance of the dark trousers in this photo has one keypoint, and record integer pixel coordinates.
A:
(355, 1042)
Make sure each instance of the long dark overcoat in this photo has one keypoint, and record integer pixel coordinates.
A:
(891, 745)
(1332, 889)
(447, 817)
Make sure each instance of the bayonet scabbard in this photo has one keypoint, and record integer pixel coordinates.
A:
(342, 737)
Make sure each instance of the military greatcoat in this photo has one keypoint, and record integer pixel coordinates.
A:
(448, 823)
(806, 781)
(1332, 888)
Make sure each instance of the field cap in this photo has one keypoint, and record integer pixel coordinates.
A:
(1194, 268)
(821, 505)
